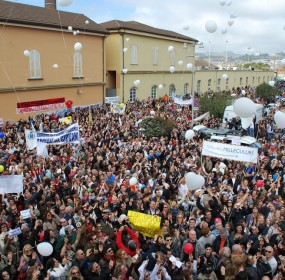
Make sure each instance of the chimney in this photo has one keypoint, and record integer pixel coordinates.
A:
(50, 4)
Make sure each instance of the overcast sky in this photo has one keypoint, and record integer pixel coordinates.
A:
(257, 28)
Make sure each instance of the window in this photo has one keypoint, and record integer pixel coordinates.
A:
(186, 88)
(258, 79)
(209, 84)
(134, 54)
(133, 94)
(219, 84)
(253, 80)
(246, 81)
(187, 55)
(153, 92)
(78, 72)
(172, 90)
(199, 86)
(172, 58)
(227, 84)
(155, 56)
(263, 79)
(35, 65)
(240, 81)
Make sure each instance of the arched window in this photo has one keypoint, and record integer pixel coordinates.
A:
(240, 81)
(186, 88)
(199, 86)
(153, 92)
(246, 81)
(209, 84)
(78, 68)
(172, 90)
(35, 65)
(133, 94)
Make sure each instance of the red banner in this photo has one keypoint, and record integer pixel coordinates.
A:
(40, 102)
(40, 105)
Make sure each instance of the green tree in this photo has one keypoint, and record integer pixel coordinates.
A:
(258, 65)
(216, 104)
(266, 92)
(157, 126)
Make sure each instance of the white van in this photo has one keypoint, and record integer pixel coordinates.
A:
(229, 113)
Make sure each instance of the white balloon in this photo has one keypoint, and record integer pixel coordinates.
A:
(170, 48)
(180, 62)
(127, 39)
(77, 46)
(133, 181)
(74, 33)
(186, 27)
(244, 107)
(224, 30)
(231, 22)
(152, 112)
(279, 118)
(243, 92)
(125, 70)
(26, 53)
(189, 66)
(222, 2)
(137, 83)
(86, 21)
(222, 165)
(283, 61)
(65, 3)
(45, 249)
(211, 26)
(69, 28)
(55, 66)
(122, 218)
(125, 50)
(271, 83)
(160, 86)
(233, 15)
(229, 3)
(189, 134)
(171, 69)
(224, 76)
(246, 122)
(194, 181)
(77, 31)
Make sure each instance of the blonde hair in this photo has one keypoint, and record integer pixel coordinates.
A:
(25, 248)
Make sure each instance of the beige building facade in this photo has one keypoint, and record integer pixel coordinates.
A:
(39, 60)
(139, 52)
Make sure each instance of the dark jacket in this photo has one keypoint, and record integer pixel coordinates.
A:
(216, 245)
(251, 272)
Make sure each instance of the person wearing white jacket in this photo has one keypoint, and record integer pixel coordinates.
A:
(56, 270)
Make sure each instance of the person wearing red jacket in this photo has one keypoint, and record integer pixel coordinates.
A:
(133, 244)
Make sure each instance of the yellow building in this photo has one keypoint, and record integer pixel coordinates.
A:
(39, 60)
(140, 60)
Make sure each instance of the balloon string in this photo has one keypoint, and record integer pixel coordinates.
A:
(64, 42)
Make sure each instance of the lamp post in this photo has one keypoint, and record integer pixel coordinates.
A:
(192, 91)
(226, 55)
(248, 50)
(209, 58)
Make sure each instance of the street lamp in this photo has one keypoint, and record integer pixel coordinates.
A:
(248, 50)
(226, 55)
(209, 59)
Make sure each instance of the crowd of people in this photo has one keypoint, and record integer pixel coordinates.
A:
(80, 194)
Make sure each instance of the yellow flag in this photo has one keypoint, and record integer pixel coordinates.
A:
(66, 120)
(148, 225)
(90, 116)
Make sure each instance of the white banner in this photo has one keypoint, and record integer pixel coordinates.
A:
(68, 135)
(11, 184)
(114, 99)
(202, 117)
(182, 102)
(31, 138)
(231, 152)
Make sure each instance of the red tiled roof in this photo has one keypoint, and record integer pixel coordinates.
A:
(16, 13)
(137, 26)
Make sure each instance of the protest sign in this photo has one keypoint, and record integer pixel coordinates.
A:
(148, 225)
